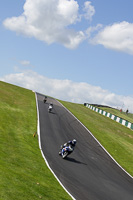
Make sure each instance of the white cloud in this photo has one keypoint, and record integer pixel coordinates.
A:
(50, 21)
(89, 10)
(118, 36)
(68, 90)
(25, 62)
(92, 29)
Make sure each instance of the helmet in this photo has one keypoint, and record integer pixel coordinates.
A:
(74, 141)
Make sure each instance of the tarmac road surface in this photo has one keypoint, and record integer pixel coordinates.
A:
(88, 173)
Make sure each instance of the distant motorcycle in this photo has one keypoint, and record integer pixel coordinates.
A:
(45, 99)
(50, 107)
(65, 151)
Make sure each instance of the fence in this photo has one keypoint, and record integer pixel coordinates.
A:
(111, 116)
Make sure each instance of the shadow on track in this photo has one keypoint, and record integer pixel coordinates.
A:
(75, 161)
(52, 112)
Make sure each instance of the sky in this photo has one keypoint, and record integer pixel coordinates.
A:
(77, 51)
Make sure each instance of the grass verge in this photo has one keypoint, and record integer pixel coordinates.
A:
(24, 174)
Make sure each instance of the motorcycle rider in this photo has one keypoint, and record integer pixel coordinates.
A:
(70, 143)
(50, 107)
(45, 99)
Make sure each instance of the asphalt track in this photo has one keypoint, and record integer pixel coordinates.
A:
(88, 173)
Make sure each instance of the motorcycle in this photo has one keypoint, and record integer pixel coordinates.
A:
(45, 99)
(65, 151)
(50, 107)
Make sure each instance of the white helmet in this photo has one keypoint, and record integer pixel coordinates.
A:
(74, 141)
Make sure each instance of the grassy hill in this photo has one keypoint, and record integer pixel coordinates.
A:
(24, 174)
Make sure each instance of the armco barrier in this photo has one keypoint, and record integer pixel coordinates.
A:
(111, 116)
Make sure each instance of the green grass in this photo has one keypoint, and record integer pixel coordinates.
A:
(117, 139)
(23, 172)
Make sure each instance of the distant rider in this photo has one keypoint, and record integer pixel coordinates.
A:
(45, 99)
(50, 107)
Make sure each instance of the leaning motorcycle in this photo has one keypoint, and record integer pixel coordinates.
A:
(65, 151)
(50, 107)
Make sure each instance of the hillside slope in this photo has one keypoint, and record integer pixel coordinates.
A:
(23, 172)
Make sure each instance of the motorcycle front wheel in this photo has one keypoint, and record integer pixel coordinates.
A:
(65, 155)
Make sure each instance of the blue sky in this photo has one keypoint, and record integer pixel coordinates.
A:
(80, 51)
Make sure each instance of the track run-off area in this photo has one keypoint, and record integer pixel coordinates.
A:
(89, 173)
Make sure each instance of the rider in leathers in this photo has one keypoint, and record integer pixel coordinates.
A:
(69, 143)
